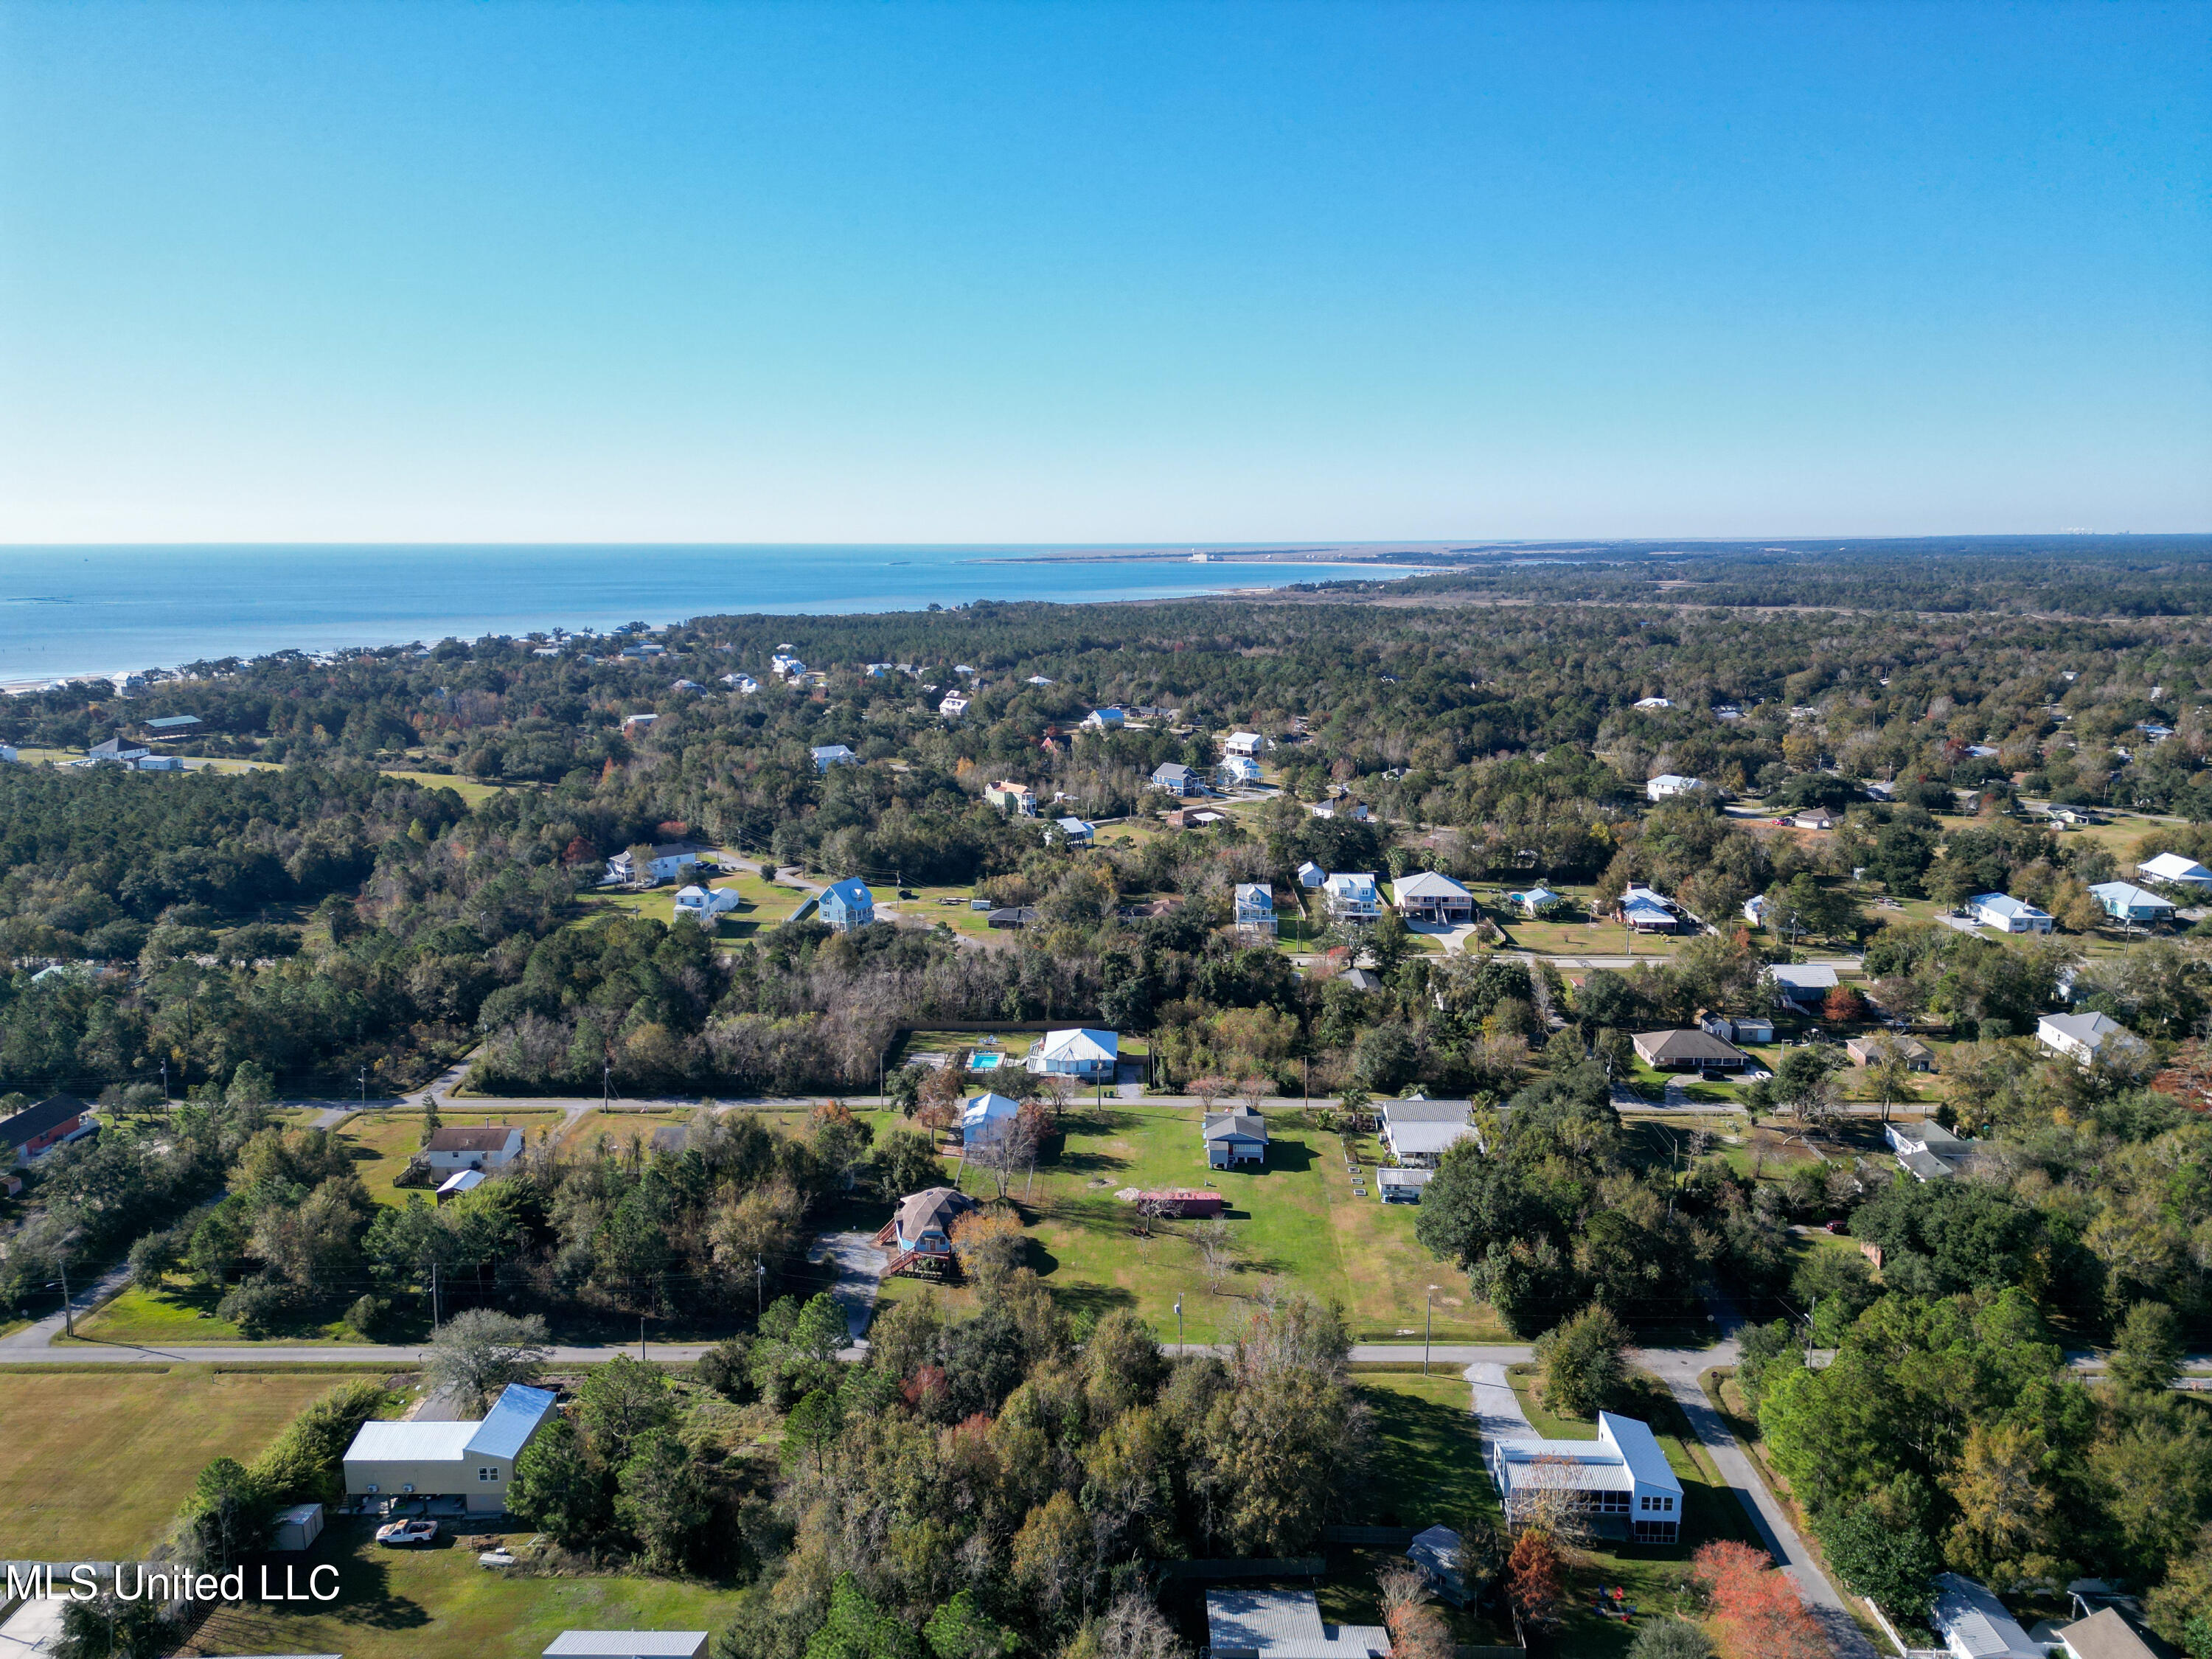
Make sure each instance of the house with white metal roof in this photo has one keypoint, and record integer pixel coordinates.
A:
(628, 1644)
(985, 1117)
(1350, 896)
(473, 1462)
(1801, 982)
(1668, 785)
(1243, 743)
(1311, 875)
(2171, 866)
(2007, 915)
(2083, 1037)
(1432, 897)
(1974, 1623)
(1626, 1488)
(1418, 1133)
(1079, 1052)
(1284, 1624)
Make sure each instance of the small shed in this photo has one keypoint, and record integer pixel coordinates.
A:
(461, 1180)
(297, 1526)
(1434, 1555)
(628, 1644)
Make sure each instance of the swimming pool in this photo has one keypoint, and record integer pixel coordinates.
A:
(985, 1062)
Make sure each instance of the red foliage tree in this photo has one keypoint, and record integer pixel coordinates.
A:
(1756, 1611)
(1843, 1006)
(1532, 1578)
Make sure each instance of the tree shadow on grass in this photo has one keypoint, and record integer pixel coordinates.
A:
(365, 1592)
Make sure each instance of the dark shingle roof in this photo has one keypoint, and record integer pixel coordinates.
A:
(32, 1121)
(479, 1137)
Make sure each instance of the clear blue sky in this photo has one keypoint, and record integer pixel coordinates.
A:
(1035, 272)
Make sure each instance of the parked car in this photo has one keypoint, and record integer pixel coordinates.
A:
(407, 1531)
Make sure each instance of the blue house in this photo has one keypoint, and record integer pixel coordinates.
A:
(834, 754)
(847, 905)
(2125, 902)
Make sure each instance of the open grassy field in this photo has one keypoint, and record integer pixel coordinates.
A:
(184, 1312)
(100, 1460)
(1295, 1219)
(399, 1604)
(761, 905)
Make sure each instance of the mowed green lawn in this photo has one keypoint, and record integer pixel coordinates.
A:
(404, 1603)
(1295, 1220)
(98, 1462)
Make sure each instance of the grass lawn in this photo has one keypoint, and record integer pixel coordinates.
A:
(760, 905)
(114, 1454)
(398, 1604)
(1295, 1220)
(1428, 1457)
(182, 1312)
(471, 790)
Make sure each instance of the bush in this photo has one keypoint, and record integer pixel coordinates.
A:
(366, 1315)
(727, 1368)
(1671, 1639)
(305, 1463)
(255, 1307)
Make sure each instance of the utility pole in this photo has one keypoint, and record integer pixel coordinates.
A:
(607, 1081)
(69, 1309)
(640, 1338)
(760, 1282)
(433, 1296)
(164, 1079)
(1429, 1332)
(1178, 1327)
(364, 1083)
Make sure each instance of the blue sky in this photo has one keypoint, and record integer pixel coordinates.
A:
(1036, 272)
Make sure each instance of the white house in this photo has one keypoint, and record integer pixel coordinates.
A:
(1350, 897)
(1668, 785)
(1928, 1152)
(1755, 910)
(1626, 1489)
(2125, 902)
(1648, 910)
(1739, 1028)
(1342, 807)
(987, 1117)
(1081, 1052)
(784, 665)
(1655, 702)
(2007, 915)
(954, 706)
(628, 1644)
(1256, 907)
(663, 863)
(744, 683)
(1536, 902)
(471, 1461)
(1238, 769)
(827, 755)
(2083, 1037)
(705, 905)
(1248, 744)
(1431, 896)
(1284, 1624)
(1420, 1132)
(473, 1146)
(2171, 866)
(1974, 1623)
(1311, 875)
(1076, 832)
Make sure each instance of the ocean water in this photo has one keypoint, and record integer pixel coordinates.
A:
(99, 610)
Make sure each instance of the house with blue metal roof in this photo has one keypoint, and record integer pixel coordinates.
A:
(471, 1462)
(848, 905)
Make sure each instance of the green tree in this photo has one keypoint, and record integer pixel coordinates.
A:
(1583, 1362)
(2148, 1350)
(480, 1351)
(621, 1402)
(557, 1488)
(660, 1498)
(226, 1518)
(105, 1626)
(814, 1423)
(1671, 1639)
(962, 1629)
(1879, 1558)
(857, 1628)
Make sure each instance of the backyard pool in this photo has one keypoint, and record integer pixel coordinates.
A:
(985, 1062)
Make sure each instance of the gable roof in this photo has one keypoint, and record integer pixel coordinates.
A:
(1632, 1438)
(1430, 883)
(1796, 977)
(988, 1108)
(1396, 1112)
(2004, 904)
(2109, 893)
(473, 1138)
(513, 1418)
(1976, 1623)
(850, 890)
(1255, 893)
(1235, 1125)
(2171, 866)
(32, 1121)
(2105, 1635)
(626, 1645)
(411, 1442)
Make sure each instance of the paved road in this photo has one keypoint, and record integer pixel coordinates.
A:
(1679, 1369)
